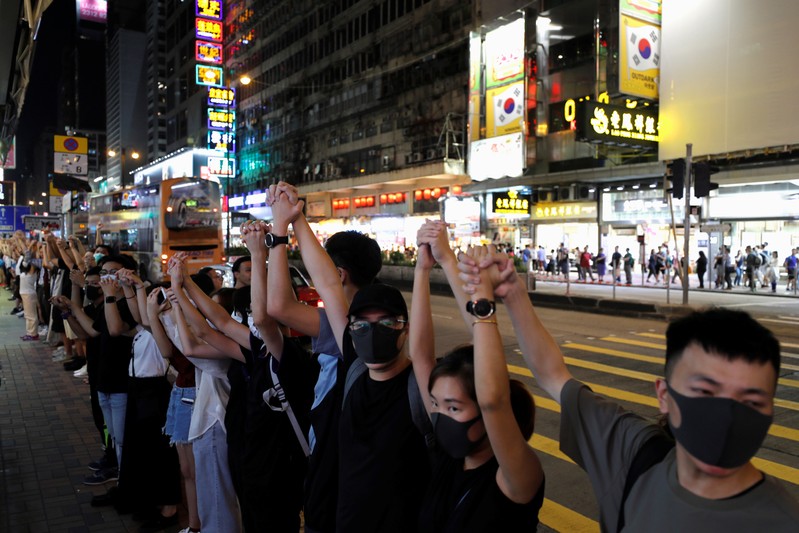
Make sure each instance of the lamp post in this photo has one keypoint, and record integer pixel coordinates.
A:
(134, 154)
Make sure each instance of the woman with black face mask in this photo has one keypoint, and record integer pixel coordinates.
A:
(486, 477)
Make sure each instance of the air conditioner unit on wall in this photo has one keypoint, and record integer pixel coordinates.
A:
(417, 156)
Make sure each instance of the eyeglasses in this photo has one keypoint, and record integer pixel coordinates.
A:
(362, 326)
(107, 272)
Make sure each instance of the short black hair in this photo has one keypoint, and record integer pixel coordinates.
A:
(358, 254)
(205, 283)
(206, 270)
(242, 301)
(727, 333)
(459, 363)
(239, 261)
(94, 271)
(125, 260)
(106, 247)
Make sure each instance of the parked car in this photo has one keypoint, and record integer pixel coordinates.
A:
(303, 290)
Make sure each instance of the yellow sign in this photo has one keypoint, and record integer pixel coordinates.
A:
(70, 145)
(639, 57)
(565, 211)
(511, 203)
(504, 110)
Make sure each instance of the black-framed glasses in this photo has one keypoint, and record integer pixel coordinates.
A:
(107, 272)
(362, 326)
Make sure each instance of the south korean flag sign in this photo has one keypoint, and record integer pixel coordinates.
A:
(507, 106)
(643, 47)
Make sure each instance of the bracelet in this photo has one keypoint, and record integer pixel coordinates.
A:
(130, 297)
(483, 321)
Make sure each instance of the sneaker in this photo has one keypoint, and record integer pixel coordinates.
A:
(100, 464)
(43, 331)
(82, 372)
(30, 337)
(101, 477)
(21, 314)
(15, 311)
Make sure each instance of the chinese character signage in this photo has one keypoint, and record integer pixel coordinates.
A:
(208, 52)
(221, 97)
(221, 167)
(565, 211)
(221, 141)
(211, 9)
(221, 119)
(207, 75)
(208, 29)
(510, 203)
(610, 124)
(70, 155)
(504, 54)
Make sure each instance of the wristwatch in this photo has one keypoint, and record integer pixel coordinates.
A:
(110, 299)
(482, 308)
(273, 240)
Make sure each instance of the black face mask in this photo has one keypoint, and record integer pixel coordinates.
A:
(453, 436)
(719, 431)
(376, 344)
(92, 293)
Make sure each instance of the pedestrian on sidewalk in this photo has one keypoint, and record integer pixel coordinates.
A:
(28, 273)
(739, 268)
(790, 267)
(701, 268)
(615, 261)
(653, 266)
(773, 271)
(585, 264)
(563, 261)
(600, 263)
(752, 265)
(629, 261)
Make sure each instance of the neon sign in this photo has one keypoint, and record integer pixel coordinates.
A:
(609, 124)
(208, 29)
(208, 52)
(211, 9)
(221, 96)
(221, 119)
(221, 141)
(207, 75)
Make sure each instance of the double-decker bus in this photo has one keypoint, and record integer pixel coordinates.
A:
(152, 222)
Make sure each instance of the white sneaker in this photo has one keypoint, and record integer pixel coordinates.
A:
(82, 372)
(43, 330)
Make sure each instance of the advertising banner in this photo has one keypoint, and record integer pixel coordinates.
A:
(497, 157)
(504, 110)
(610, 124)
(10, 160)
(639, 57)
(504, 54)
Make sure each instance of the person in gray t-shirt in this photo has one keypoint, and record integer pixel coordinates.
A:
(717, 398)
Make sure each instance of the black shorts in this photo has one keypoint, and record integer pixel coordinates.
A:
(791, 273)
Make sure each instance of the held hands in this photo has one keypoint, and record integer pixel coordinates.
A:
(286, 206)
(77, 278)
(177, 269)
(61, 302)
(128, 278)
(434, 233)
(109, 286)
(486, 272)
(252, 233)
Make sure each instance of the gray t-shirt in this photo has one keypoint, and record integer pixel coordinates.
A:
(603, 438)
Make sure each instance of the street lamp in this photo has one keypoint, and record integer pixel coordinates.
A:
(123, 153)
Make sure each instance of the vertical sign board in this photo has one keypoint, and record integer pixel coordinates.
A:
(70, 155)
(9, 159)
(639, 48)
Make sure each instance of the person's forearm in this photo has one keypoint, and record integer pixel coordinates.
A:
(133, 304)
(539, 349)
(74, 323)
(421, 332)
(113, 319)
(84, 320)
(258, 287)
(449, 264)
(282, 304)
(212, 311)
(162, 340)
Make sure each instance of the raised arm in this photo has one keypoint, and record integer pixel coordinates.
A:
(76, 304)
(116, 326)
(253, 235)
(128, 281)
(520, 473)
(210, 309)
(152, 310)
(539, 349)
(320, 267)
(211, 344)
(282, 304)
(420, 334)
(64, 306)
(64, 253)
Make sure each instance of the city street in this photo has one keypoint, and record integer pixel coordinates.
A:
(47, 437)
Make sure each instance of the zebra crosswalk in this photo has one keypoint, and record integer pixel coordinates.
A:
(624, 367)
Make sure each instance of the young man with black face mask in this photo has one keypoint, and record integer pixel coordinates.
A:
(383, 463)
(718, 398)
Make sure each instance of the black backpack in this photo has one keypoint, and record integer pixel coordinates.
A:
(651, 453)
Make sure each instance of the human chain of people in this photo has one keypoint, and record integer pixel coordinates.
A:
(686, 427)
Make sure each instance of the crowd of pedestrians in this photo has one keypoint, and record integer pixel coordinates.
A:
(202, 397)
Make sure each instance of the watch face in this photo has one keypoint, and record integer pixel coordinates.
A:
(482, 308)
(269, 240)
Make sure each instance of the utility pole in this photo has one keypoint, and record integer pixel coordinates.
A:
(686, 223)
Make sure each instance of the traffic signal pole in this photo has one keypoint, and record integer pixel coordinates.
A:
(687, 223)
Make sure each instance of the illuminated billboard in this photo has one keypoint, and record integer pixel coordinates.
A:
(221, 96)
(497, 157)
(639, 47)
(504, 109)
(211, 9)
(207, 75)
(208, 29)
(504, 54)
(208, 52)
(221, 141)
(93, 10)
(222, 167)
(610, 124)
(221, 119)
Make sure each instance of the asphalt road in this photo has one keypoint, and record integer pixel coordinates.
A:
(620, 357)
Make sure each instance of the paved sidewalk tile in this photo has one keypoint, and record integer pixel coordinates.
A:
(47, 437)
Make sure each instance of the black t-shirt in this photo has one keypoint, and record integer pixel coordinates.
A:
(93, 346)
(465, 501)
(274, 463)
(115, 352)
(384, 464)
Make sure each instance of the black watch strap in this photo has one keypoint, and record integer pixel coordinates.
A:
(273, 240)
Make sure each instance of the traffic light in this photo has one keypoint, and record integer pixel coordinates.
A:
(702, 183)
(677, 178)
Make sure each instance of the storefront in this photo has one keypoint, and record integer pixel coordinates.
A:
(572, 223)
(508, 218)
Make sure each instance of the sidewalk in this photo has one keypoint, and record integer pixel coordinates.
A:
(47, 438)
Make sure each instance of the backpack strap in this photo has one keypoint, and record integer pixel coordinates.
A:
(357, 368)
(419, 415)
(651, 453)
(279, 394)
